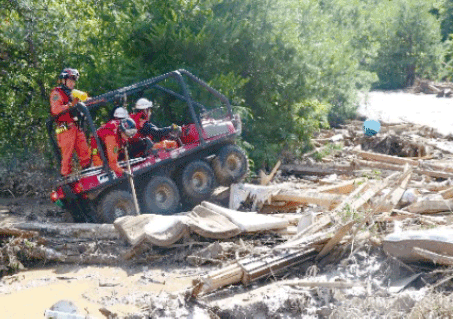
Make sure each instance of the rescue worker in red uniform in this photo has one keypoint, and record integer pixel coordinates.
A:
(69, 136)
(147, 130)
(114, 136)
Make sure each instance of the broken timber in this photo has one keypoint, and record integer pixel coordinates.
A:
(248, 269)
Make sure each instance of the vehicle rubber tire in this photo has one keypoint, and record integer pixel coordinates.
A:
(161, 195)
(115, 204)
(198, 181)
(230, 165)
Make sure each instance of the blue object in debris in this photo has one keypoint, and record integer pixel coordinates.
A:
(371, 127)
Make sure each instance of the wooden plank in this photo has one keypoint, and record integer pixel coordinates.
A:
(393, 167)
(305, 197)
(272, 265)
(345, 187)
(352, 196)
(342, 231)
(431, 206)
(267, 178)
(386, 158)
(356, 204)
(447, 194)
(323, 284)
(392, 198)
(403, 179)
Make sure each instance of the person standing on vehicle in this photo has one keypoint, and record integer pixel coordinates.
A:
(69, 136)
(145, 128)
(114, 136)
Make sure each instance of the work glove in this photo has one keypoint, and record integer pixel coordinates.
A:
(176, 130)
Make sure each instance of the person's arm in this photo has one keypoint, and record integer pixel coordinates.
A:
(156, 132)
(57, 104)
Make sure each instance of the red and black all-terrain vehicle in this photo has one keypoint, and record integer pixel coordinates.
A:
(165, 180)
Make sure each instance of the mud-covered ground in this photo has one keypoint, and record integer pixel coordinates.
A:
(160, 287)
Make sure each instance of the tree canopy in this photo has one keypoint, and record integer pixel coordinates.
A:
(289, 67)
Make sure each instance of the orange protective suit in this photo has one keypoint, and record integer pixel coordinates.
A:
(70, 138)
(112, 143)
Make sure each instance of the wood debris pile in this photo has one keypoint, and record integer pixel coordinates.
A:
(444, 89)
(352, 196)
(392, 191)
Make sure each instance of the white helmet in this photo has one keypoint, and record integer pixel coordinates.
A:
(143, 103)
(121, 113)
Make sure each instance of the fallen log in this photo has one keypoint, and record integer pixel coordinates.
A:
(315, 170)
(435, 257)
(18, 233)
(71, 230)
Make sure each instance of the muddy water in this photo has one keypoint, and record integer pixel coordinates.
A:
(399, 106)
(28, 294)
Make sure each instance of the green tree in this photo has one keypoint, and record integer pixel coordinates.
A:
(409, 42)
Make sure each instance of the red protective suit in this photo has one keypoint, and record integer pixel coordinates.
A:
(112, 142)
(146, 129)
(70, 138)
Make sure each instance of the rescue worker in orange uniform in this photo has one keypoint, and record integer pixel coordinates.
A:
(145, 129)
(114, 136)
(69, 136)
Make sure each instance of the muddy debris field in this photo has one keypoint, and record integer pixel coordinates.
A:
(360, 227)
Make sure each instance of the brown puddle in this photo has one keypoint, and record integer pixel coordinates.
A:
(26, 295)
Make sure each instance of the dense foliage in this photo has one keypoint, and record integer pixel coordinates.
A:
(288, 66)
